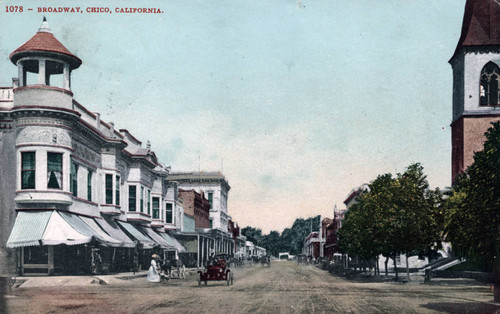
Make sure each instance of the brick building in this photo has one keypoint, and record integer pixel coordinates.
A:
(197, 206)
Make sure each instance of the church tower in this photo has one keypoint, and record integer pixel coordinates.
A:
(476, 81)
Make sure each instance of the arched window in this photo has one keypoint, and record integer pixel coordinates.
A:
(488, 90)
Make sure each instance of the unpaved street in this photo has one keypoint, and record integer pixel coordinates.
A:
(283, 288)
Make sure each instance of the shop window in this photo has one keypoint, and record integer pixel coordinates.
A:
(132, 198)
(36, 255)
(54, 170)
(28, 170)
(156, 207)
(109, 189)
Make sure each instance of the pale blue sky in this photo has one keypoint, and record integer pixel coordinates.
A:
(302, 101)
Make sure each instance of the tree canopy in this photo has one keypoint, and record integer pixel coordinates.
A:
(472, 222)
(395, 215)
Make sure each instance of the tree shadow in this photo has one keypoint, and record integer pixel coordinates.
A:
(463, 307)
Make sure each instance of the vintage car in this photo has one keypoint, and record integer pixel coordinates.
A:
(217, 270)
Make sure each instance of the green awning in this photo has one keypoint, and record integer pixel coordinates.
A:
(172, 241)
(28, 229)
(145, 241)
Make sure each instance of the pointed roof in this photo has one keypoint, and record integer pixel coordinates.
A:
(481, 24)
(45, 43)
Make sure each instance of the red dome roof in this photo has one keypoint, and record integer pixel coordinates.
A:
(45, 43)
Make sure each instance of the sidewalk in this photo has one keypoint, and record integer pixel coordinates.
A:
(58, 281)
(53, 281)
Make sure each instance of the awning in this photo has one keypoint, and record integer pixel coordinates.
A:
(28, 229)
(178, 247)
(157, 238)
(58, 231)
(43, 228)
(145, 241)
(114, 231)
(108, 240)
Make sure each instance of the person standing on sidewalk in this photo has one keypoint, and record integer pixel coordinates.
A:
(153, 275)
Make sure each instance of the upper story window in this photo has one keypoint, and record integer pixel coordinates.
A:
(156, 207)
(142, 199)
(210, 196)
(89, 185)
(117, 190)
(28, 170)
(169, 216)
(73, 182)
(54, 170)
(149, 202)
(488, 89)
(109, 189)
(132, 198)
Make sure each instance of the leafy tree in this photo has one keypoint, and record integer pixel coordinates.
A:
(473, 209)
(253, 234)
(396, 215)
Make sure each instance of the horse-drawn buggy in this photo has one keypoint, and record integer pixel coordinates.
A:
(217, 270)
(265, 260)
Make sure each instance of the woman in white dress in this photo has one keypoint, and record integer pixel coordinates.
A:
(153, 275)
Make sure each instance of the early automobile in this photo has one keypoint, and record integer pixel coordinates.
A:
(217, 270)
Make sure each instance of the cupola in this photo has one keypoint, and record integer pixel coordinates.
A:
(43, 57)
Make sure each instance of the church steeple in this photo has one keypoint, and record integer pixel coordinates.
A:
(476, 81)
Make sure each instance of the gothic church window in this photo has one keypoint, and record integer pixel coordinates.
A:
(488, 90)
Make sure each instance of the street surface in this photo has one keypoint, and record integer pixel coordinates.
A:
(283, 288)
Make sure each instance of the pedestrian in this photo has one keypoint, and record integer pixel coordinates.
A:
(153, 275)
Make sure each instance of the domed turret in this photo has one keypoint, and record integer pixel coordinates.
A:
(45, 55)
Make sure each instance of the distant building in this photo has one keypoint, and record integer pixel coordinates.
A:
(215, 187)
(197, 206)
(476, 81)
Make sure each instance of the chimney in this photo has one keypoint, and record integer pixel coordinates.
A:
(98, 120)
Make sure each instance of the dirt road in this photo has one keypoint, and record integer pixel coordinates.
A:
(283, 288)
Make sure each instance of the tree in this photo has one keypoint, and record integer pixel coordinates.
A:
(473, 209)
(396, 215)
(253, 234)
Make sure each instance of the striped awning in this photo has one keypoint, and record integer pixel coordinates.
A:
(113, 230)
(28, 229)
(173, 241)
(110, 241)
(59, 231)
(79, 225)
(43, 228)
(157, 238)
(145, 241)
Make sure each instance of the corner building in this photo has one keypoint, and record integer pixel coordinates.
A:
(77, 196)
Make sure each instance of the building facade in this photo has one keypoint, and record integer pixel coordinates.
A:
(215, 188)
(76, 189)
(196, 206)
(476, 77)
